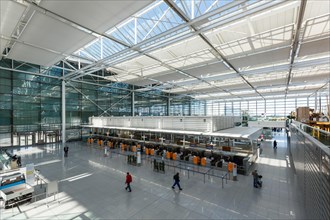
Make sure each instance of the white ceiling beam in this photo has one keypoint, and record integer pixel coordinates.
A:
(295, 40)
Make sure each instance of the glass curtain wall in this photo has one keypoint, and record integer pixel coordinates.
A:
(150, 103)
(30, 105)
(187, 107)
(269, 108)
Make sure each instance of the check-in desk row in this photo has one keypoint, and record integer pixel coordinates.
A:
(195, 155)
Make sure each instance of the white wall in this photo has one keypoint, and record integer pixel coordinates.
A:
(270, 124)
(189, 123)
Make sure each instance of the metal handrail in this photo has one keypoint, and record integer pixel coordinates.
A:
(304, 128)
(38, 177)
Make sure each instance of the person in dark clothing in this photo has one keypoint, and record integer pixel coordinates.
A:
(19, 161)
(128, 182)
(66, 151)
(176, 181)
(275, 144)
(256, 182)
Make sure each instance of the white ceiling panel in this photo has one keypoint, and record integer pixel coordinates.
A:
(33, 55)
(315, 8)
(140, 82)
(275, 18)
(183, 48)
(315, 47)
(278, 36)
(210, 69)
(98, 15)
(145, 61)
(47, 32)
(317, 27)
(165, 77)
(122, 77)
(236, 47)
(188, 62)
(268, 40)
(10, 14)
(138, 64)
(154, 70)
(262, 58)
(235, 31)
(236, 86)
(269, 83)
(196, 90)
(311, 78)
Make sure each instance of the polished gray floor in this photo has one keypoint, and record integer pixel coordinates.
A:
(92, 187)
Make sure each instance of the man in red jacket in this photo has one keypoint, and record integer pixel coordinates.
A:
(128, 182)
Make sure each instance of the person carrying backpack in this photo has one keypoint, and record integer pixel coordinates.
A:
(176, 181)
(128, 182)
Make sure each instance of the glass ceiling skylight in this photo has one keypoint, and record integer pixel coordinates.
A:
(142, 28)
(165, 45)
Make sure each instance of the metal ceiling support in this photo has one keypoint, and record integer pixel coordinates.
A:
(322, 87)
(200, 20)
(180, 13)
(29, 72)
(32, 45)
(186, 74)
(24, 20)
(137, 46)
(295, 41)
(97, 84)
(67, 63)
(143, 77)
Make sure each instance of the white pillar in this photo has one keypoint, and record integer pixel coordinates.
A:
(133, 103)
(168, 106)
(315, 99)
(63, 111)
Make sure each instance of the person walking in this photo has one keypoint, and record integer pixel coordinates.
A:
(176, 178)
(275, 144)
(128, 182)
(66, 151)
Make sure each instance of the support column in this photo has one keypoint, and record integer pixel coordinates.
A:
(12, 106)
(133, 103)
(320, 103)
(63, 112)
(315, 107)
(189, 113)
(168, 106)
